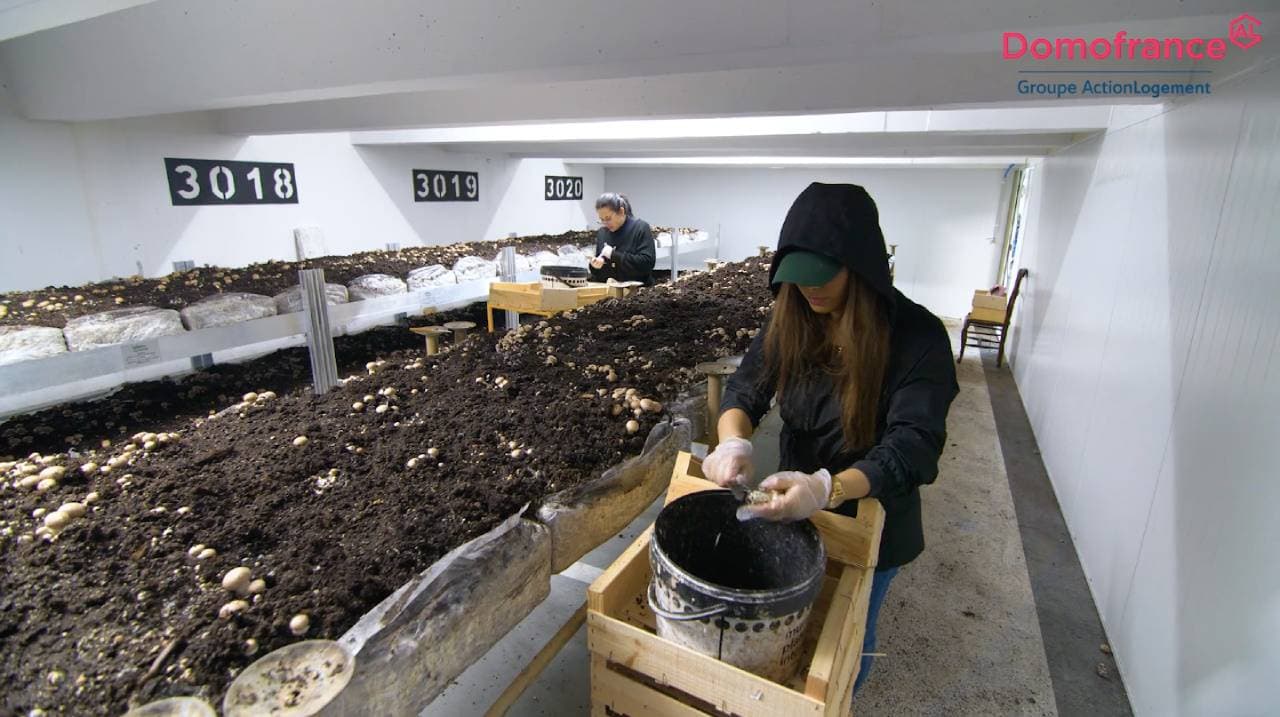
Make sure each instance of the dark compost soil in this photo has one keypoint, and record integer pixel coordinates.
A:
(179, 289)
(115, 611)
(176, 290)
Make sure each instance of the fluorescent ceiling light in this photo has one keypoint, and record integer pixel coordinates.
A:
(1073, 118)
(779, 162)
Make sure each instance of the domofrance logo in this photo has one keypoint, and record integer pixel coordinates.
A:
(1242, 31)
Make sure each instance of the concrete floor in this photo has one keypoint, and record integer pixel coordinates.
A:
(995, 618)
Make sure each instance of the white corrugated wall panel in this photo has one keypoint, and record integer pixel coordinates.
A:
(1146, 357)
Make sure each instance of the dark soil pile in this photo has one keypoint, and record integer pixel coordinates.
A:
(171, 404)
(55, 305)
(179, 289)
(331, 503)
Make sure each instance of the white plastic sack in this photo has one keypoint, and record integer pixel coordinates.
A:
(23, 343)
(118, 326)
(473, 268)
(309, 241)
(227, 309)
(700, 235)
(371, 286)
(427, 277)
(523, 263)
(545, 258)
(663, 240)
(289, 301)
(570, 255)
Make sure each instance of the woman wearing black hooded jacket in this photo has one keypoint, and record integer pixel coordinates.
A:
(863, 376)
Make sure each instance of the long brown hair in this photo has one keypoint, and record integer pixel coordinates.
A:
(853, 349)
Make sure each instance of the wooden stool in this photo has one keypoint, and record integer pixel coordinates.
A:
(460, 329)
(715, 372)
(433, 334)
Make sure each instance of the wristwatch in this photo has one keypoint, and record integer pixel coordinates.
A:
(837, 493)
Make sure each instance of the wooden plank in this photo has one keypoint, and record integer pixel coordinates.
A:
(624, 696)
(823, 666)
(728, 688)
(620, 582)
(870, 526)
(840, 693)
(538, 663)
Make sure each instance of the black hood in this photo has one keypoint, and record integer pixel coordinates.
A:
(840, 221)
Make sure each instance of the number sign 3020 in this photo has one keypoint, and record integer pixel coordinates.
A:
(558, 188)
(218, 181)
(445, 185)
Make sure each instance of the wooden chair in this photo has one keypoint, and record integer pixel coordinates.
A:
(985, 334)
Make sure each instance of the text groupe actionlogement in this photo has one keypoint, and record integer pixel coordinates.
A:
(1111, 88)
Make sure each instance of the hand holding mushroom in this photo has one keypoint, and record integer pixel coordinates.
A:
(796, 496)
(598, 262)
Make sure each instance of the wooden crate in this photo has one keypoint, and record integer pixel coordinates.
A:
(531, 297)
(635, 672)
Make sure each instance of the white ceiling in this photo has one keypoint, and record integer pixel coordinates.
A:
(787, 81)
(23, 17)
(304, 65)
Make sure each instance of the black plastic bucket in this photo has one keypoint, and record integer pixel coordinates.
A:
(738, 591)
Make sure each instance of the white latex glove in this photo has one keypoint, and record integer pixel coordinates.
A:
(729, 465)
(802, 495)
(597, 263)
(608, 251)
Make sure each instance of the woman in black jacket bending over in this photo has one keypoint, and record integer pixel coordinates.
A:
(864, 379)
(624, 244)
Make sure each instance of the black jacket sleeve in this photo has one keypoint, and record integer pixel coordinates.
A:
(639, 258)
(745, 390)
(915, 432)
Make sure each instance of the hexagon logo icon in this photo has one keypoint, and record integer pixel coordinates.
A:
(1244, 31)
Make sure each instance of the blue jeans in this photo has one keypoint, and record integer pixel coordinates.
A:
(879, 587)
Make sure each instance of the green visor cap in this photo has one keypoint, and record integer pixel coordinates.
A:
(806, 268)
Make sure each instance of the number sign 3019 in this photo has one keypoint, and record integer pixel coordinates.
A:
(558, 188)
(445, 185)
(218, 181)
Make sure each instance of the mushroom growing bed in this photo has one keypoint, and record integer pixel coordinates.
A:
(54, 306)
(332, 502)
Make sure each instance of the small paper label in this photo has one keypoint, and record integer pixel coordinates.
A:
(140, 354)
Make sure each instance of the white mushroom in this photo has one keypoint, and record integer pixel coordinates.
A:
(232, 608)
(300, 441)
(237, 580)
(633, 426)
(57, 520)
(299, 624)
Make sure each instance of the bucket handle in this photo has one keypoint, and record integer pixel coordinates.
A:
(681, 616)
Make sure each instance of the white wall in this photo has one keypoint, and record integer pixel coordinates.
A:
(1146, 351)
(941, 219)
(90, 201)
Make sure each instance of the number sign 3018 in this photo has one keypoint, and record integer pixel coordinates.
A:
(445, 185)
(218, 181)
